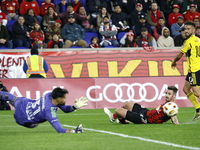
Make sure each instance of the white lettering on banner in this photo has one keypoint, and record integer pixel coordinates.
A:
(130, 92)
(11, 66)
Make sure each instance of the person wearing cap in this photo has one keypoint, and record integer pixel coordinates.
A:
(10, 8)
(165, 40)
(35, 66)
(108, 33)
(128, 40)
(174, 15)
(52, 30)
(61, 7)
(192, 13)
(37, 35)
(49, 18)
(70, 11)
(153, 15)
(142, 23)
(100, 16)
(4, 36)
(134, 17)
(177, 27)
(166, 6)
(73, 34)
(145, 39)
(186, 5)
(44, 7)
(20, 34)
(191, 48)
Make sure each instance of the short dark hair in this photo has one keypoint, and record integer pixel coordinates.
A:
(191, 23)
(59, 92)
(173, 88)
(161, 18)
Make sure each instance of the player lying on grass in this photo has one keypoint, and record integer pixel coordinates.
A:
(139, 115)
(29, 113)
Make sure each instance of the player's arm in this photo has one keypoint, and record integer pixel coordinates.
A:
(177, 58)
(174, 120)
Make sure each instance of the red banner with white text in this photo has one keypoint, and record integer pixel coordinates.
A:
(103, 92)
(94, 64)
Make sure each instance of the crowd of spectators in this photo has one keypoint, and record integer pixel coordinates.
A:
(116, 23)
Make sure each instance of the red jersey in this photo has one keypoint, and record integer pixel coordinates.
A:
(9, 6)
(172, 18)
(27, 5)
(45, 6)
(94, 45)
(37, 36)
(190, 16)
(157, 115)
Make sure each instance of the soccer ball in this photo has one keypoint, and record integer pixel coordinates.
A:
(170, 109)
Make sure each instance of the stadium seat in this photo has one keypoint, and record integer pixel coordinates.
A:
(120, 35)
(88, 36)
(3, 47)
(9, 25)
(75, 47)
(40, 2)
(21, 48)
(56, 2)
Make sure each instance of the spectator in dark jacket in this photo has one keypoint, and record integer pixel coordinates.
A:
(73, 33)
(30, 19)
(142, 23)
(20, 35)
(95, 6)
(134, 18)
(166, 6)
(120, 20)
(179, 40)
(61, 7)
(4, 36)
(64, 16)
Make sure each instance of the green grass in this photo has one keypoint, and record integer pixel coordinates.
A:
(44, 137)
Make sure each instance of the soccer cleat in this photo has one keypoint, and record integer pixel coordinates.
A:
(196, 117)
(79, 129)
(110, 115)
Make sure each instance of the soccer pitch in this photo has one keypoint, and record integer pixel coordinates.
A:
(100, 134)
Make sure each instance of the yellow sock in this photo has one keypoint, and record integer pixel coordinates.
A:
(193, 100)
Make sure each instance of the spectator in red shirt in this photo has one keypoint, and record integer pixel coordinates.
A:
(192, 13)
(37, 35)
(45, 6)
(153, 15)
(94, 42)
(27, 4)
(76, 4)
(157, 32)
(174, 15)
(3, 18)
(10, 8)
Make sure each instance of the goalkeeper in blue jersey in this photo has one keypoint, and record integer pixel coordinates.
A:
(29, 113)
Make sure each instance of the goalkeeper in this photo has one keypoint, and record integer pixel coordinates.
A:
(29, 113)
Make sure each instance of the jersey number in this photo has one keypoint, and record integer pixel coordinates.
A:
(197, 51)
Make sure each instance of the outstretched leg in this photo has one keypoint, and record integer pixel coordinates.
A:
(6, 96)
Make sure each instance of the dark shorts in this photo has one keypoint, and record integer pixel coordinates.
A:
(193, 78)
(137, 115)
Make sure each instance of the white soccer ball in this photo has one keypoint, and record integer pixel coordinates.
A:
(170, 109)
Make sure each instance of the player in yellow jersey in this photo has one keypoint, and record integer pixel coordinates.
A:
(191, 47)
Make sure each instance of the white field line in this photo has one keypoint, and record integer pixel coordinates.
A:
(139, 138)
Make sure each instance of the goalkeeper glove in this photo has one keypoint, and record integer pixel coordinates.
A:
(78, 129)
(80, 102)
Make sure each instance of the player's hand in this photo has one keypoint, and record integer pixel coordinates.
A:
(173, 65)
(79, 129)
(80, 102)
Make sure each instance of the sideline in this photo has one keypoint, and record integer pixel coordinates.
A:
(138, 138)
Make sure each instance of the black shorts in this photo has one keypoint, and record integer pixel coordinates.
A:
(193, 78)
(137, 115)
